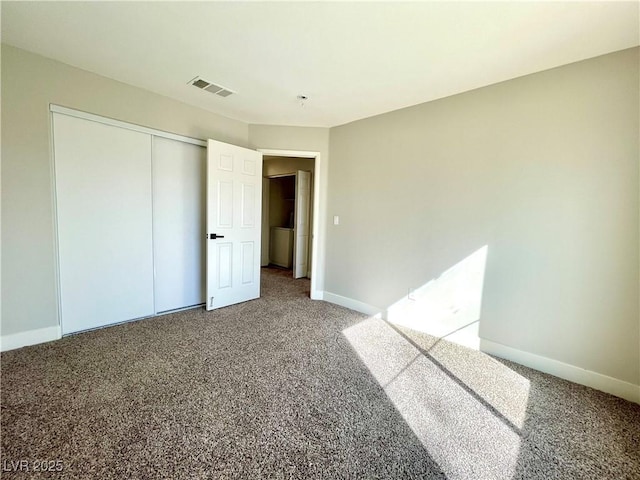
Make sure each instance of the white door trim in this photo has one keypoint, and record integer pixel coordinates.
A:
(129, 126)
(318, 212)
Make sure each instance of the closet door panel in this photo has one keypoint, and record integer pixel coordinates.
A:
(179, 174)
(104, 219)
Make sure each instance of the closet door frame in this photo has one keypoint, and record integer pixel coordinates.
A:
(106, 121)
(129, 126)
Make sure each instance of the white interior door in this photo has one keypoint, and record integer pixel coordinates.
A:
(301, 242)
(179, 197)
(103, 198)
(234, 194)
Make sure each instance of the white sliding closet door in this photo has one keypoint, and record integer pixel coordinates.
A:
(179, 198)
(103, 194)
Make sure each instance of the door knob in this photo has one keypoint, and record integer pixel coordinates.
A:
(213, 236)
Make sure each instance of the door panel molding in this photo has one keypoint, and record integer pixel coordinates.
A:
(234, 196)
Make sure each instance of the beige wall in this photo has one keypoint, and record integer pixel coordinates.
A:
(302, 139)
(543, 170)
(285, 165)
(29, 84)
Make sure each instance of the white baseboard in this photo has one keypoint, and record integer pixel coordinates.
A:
(30, 337)
(604, 383)
(352, 304)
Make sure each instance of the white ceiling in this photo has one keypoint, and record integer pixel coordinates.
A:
(353, 60)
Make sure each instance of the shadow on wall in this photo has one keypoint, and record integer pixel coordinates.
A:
(482, 417)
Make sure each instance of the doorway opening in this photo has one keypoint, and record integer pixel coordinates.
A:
(278, 231)
(290, 212)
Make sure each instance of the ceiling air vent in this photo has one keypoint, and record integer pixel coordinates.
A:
(211, 87)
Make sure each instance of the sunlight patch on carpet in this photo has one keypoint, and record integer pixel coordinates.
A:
(468, 429)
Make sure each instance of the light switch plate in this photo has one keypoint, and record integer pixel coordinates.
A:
(336, 220)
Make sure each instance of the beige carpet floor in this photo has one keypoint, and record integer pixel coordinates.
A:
(285, 387)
